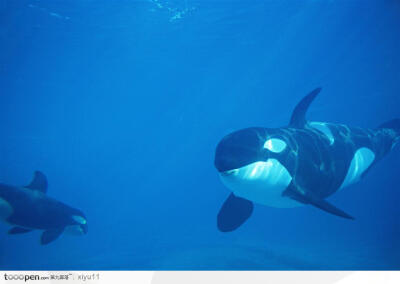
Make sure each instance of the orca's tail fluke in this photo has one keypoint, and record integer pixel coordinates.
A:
(394, 125)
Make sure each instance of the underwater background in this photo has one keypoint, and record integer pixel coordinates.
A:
(121, 105)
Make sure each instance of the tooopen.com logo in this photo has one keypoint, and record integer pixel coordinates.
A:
(21, 277)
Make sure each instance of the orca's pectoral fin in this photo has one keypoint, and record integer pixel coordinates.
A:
(319, 203)
(39, 182)
(234, 212)
(50, 235)
(328, 207)
(18, 230)
(298, 118)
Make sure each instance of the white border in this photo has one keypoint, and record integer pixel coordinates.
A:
(207, 277)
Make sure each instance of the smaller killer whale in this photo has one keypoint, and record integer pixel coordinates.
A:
(303, 163)
(28, 208)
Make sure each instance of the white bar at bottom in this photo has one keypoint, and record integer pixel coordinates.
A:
(202, 277)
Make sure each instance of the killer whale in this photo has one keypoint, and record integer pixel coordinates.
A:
(302, 163)
(28, 208)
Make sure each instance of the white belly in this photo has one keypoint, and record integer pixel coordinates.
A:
(261, 182)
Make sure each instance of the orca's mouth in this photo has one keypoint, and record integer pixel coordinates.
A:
(84, 229)
(80, 224)
(229, 172)
(76, 230)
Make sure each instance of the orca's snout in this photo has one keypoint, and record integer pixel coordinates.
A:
(222, 157)
(238, 149)
(81, 222)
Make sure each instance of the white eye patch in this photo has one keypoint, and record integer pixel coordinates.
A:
(79, 219)
(275, 145)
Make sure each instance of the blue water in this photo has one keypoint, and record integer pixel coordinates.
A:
(121, 105)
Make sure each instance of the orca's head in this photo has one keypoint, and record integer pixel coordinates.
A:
(252, 164)
(240, 149)
(77, 223)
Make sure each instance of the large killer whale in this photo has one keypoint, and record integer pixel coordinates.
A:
(28, 208)
(302, 163)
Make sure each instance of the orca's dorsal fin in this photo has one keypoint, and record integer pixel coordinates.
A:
(298, 119)
(39, 182)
